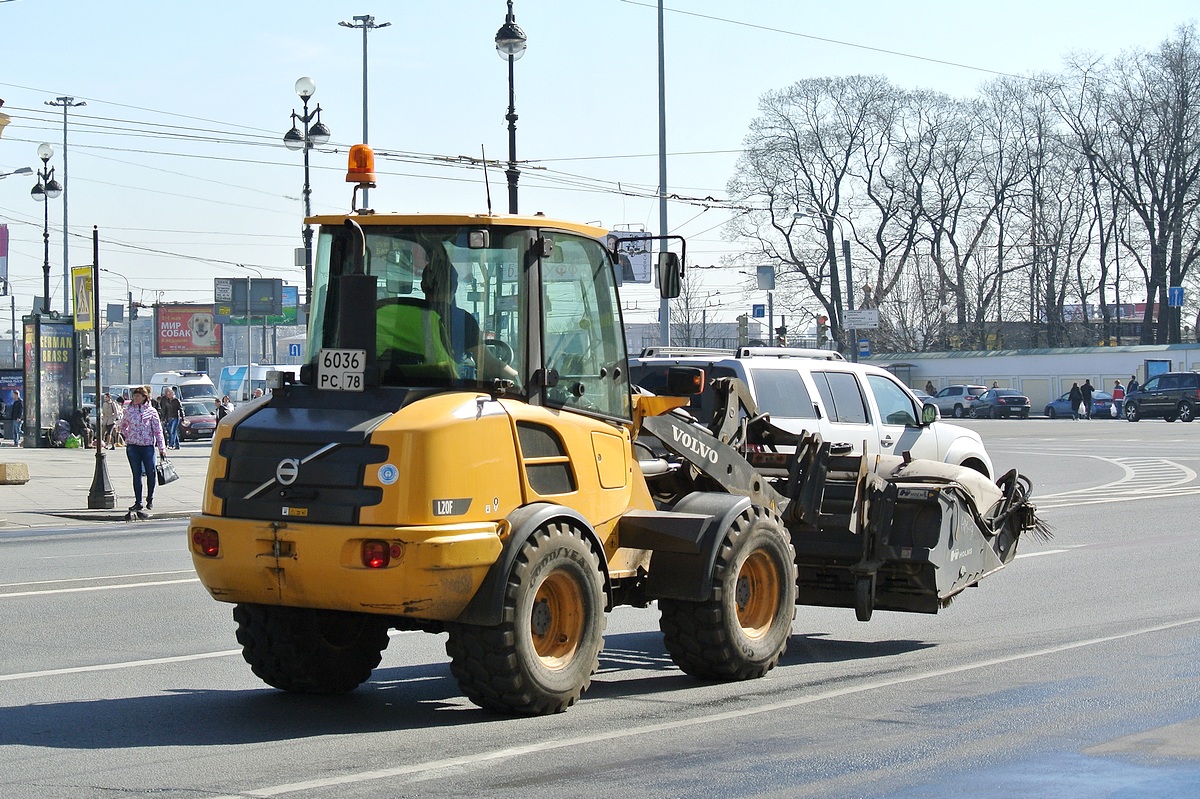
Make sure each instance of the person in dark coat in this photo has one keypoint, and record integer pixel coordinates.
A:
(1086, 392)
(1075, 398)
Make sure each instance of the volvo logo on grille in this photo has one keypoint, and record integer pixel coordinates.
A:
(287, 471)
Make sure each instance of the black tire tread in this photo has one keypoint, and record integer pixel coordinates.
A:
(696, 633)
(486, 661)
(287, 649)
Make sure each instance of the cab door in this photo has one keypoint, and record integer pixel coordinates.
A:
(847, 419)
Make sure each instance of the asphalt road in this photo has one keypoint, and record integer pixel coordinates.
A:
(1070, 675)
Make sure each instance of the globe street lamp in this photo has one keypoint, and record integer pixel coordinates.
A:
(46, 188)
(510, 45)
(313, 136)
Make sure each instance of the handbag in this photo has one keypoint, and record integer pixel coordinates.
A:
(166, 472)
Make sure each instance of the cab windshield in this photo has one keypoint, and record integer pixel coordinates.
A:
(452, 308)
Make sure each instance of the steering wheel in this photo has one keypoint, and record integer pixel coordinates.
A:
(500, 349)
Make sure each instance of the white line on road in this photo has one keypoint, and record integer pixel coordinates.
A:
(1039, 554)
(96, 588)
(101, 577)
(129, 664)
(540, 747)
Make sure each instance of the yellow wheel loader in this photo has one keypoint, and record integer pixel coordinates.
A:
(463, 453)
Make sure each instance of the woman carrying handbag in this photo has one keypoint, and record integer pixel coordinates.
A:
(143, 434)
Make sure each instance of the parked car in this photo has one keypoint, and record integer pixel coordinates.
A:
(924, 396)
(997, 402)
(956, 401)
(850, 403)
(199, 420)
(1168, 396)
(1101, 406)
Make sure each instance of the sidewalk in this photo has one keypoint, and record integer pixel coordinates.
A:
(61, 479)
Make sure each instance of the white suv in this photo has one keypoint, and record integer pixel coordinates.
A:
(806, 390)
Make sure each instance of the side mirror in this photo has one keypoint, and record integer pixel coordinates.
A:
(684, 381)
(929, 413)
(670, 275)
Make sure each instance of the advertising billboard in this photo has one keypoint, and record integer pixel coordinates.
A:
(186, 330)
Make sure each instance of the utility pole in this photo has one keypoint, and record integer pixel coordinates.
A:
(65, 103)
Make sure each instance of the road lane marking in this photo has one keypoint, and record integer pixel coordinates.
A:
(582, 741)
(101, 577)
(85, 589)
(1039, 554)
(129, 664)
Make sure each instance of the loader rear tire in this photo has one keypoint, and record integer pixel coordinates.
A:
(308, 651)
(541, 657)
(742, 631)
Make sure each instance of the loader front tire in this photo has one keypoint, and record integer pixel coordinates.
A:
(541, 657)
(309, 651)
(743, 629)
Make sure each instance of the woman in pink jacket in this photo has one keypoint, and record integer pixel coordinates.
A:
(143, 434)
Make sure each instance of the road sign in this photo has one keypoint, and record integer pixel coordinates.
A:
(1175, 296)
(81, 282)
(293, 350)
(759, 311)
(864, 348)
(862, 320)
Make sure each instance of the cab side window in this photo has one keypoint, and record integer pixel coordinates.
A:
(895, 406)
(842, 396)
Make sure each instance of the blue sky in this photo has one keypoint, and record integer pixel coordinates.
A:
(178, 155)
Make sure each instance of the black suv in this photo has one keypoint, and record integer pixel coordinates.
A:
(1169, 396)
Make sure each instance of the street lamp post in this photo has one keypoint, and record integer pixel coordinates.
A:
(21, 171)
(367, 23)
(510, 45)
(66, 103)
(47, 188)
(313, 136)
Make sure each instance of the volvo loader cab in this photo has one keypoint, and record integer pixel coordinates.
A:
(459, 454)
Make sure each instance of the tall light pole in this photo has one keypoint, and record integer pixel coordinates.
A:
(20, 171)
(510, 45)
(65, 103)
(313, 136)
(367, 23)
(664, 304)
(47, 188)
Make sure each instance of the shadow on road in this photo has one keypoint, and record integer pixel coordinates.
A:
(406, 697)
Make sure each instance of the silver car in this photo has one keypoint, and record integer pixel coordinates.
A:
(956, 401)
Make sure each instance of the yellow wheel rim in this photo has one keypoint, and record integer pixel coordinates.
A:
(757, 594)
(557, 620)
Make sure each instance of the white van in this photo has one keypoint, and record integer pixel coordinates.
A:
(188, 385)
(234, 384)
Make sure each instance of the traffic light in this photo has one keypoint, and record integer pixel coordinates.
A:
(743, 330)
(133, 309)
(822, 330)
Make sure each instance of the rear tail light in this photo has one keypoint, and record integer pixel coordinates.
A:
(378, 554)
(206, 541)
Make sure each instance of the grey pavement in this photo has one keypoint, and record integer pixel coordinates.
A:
(60, 481)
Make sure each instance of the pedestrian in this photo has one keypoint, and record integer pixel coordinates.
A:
(258, 392)
(224, 407)
(170, 411)
(143, 435)
(1086, 390)
(930, 388)
(1118, 394)
(1075, 398)
(17, 415)
(1132, 386)
(109, 415)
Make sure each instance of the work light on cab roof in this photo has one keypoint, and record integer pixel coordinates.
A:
(360, 170)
